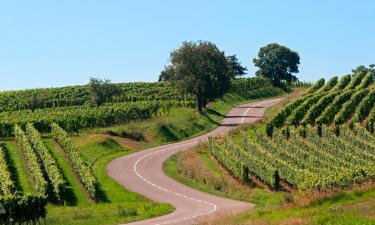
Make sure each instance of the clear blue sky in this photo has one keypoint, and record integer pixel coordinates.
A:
(57, 43)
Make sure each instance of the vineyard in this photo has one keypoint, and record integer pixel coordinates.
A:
(48, 183)
(40, 164)
(80, 95)
(137, 101)
(322, 140)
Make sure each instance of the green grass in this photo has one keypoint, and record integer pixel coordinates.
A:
(116, 204)
(18, 168)
(75, 193)
(211, 178)
(105, 213)
(345, 207)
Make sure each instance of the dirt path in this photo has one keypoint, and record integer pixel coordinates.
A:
(142, 172)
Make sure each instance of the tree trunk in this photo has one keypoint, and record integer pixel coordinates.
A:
(199, 103)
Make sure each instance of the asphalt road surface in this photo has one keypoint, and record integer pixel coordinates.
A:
(142, 172)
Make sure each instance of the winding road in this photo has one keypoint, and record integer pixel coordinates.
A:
(142, 172)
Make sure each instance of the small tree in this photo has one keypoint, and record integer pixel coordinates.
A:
(277, 63)
(102, 90)
(37, 99)
(201, 69)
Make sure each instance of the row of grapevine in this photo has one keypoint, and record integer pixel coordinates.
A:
(307, 156)
(240, 163)
(7, 186)
(84, 172)
(364, 107)
(337, 101)
(74, 118)
(311, 160)
(329, 85)
(370, 125)
(44, 98)
(291, 169)
(298, 113)
(49, 163)
(241, 85)
(343, 82)
(349, 107)
(328, 115)
(315, 87)
(304, 102)
(280, 118)
(357, 80)
(313, 107)
(367, 80)
(80, 95)
(23, 209)
(319, 107)
(32, 161)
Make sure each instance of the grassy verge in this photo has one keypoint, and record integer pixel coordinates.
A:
(197, 168)
(18, 168)
(75, 194)
(344, 208)
(116, 204)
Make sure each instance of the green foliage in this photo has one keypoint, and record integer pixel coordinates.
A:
(40, 184)
(43, 98)
(84, 172)
(319, 107)
(364, 107)
(277, 63)
(332, 109)
(312, 159)
(49, 163)
(335, 101)
(280, 118)
(73, 118)
(23, 209)
(330, 84)
(344, 81)
(315, 87)
(349, 107)
(298, 113)
(356, 80)
(367, 80)
(238, 161)
(242, 85)
(7, 186)
(102, 90)
(202, 70)
(371, 121)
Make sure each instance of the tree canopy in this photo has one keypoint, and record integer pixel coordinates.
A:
(201, 69)
(102, 90)
(278, 63)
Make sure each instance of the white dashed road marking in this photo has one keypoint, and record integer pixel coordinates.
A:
(214, 207)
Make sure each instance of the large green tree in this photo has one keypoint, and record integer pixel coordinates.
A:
(201, 69)
(278, 63)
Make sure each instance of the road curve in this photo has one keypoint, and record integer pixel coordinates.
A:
(142, 172)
